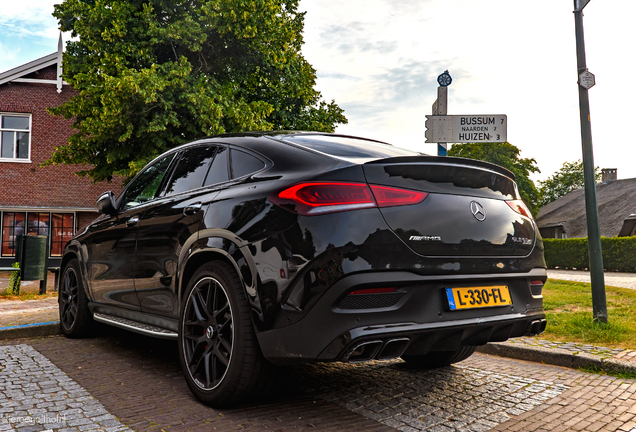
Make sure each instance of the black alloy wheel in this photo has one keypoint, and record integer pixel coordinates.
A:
(219, 353)
(208, 333)
(75, 318)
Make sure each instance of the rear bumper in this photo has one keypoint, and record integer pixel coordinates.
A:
(419, 321)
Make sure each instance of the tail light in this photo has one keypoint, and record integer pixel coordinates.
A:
(389, 197)
(519, 207)
(309, 199)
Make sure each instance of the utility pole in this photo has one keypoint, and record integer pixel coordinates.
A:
(586, 81)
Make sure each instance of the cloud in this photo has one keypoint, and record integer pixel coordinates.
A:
(379, 47)
(32, 10)
(365, 46)
(354, 39)
(29, 18)
(27, 31)
(404, 83)
(338, 32)
(8, 57)
(338, 76)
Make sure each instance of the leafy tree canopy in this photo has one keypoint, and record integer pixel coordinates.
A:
(509, 157)
(570, 177)
(153, 74)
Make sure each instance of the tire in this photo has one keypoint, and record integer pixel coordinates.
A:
(437, 359)
(75, 317)
(220, 357)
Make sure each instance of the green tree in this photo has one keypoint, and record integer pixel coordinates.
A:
(509, 157)
(570, 177)
(153, 74)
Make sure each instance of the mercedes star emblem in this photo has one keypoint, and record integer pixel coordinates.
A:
(478, 211)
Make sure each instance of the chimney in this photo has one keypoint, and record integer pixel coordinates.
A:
(608, 174)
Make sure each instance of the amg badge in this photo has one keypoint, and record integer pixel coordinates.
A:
(425, 238)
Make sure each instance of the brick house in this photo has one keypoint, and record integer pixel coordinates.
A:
(38, 200)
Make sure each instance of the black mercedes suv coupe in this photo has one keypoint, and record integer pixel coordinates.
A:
(259, 249)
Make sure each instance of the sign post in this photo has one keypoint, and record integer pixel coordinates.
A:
(467, 128)
(440, 107)
(442, 128)
(586, 81)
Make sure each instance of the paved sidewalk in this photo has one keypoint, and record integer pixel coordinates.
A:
(28, 318)
(138, 380)
(24, 312)
(623, 280)
(482, 393)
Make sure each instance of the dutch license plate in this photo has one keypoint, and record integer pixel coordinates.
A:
(478, 297)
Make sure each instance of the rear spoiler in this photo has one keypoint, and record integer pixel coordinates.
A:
(446, 160)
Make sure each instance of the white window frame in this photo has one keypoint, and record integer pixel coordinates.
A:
(15, 159)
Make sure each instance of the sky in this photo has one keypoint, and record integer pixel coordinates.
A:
(379, 60)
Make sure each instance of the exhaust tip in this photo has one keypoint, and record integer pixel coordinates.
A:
(363, 352)
(536, 327)
(393, 349)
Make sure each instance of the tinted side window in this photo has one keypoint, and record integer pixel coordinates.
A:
(191, 170)
(218, 170)
(145, 186)
(243, 163)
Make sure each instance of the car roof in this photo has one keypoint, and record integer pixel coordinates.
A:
(349, 148)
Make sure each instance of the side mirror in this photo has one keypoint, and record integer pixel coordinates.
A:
(106, 204)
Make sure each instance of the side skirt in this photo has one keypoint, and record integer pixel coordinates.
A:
(135, 326)
(139, 322)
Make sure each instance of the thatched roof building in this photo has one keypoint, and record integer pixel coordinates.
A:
(565, 217)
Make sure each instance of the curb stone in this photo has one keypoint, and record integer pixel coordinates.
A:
(30, 330)
(557, 357)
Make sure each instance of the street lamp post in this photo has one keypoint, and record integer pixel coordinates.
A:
(586, 80)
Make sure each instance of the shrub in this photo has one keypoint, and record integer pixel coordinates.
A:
(14, 281)
(619, 253)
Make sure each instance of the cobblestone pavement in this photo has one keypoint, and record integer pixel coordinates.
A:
(138, 380)
(577, 348)
(448, 399)
(138, 384)
(35, 395)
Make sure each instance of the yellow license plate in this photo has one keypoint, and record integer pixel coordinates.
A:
(478, 297)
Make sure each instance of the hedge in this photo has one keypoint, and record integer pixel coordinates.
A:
(619, 253)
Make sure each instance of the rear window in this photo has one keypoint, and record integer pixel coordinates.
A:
(244, 164)
(346, 147)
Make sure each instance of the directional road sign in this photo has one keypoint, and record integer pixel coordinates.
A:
(467, 128)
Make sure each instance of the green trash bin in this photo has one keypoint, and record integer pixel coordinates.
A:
(32, 259)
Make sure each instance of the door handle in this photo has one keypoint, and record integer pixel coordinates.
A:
(132, 221)
(192, 209)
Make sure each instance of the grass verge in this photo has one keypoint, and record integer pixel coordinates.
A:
(599, 371)
(568, 307)
(7, 294)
